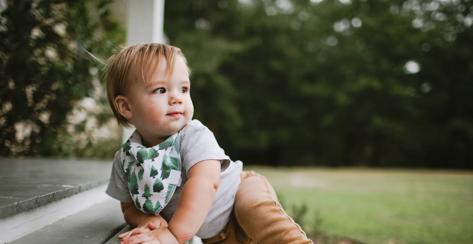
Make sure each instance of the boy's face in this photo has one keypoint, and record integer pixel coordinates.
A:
(162, 106)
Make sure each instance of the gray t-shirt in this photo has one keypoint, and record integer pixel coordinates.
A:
(197, 144)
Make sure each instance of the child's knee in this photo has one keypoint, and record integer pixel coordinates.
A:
(255, 193)
(247, 173)
(255, 186)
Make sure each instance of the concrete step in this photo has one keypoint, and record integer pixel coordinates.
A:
(96, 224)
(35, 193)
(58, 201)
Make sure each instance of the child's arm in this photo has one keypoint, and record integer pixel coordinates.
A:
(144, 223)
(196, 199)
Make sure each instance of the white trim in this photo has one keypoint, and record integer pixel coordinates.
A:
(158, 21)
(19, 225)
(145, 21)
(144, 24)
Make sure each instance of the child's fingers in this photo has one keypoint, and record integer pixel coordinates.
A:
(142, 238)
(135, 231)
(153, 226)
(153, 242)
(128, 233)
(123, 234)
(124, 237)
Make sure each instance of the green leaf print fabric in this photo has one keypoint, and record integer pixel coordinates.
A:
(153, 173)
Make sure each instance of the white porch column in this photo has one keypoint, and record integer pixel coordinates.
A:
(144, 24)
(145, 21)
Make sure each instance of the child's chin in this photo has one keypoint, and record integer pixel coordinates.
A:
(177, 125)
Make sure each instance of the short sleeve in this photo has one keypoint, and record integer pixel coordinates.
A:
(198, 143)
(118, 184)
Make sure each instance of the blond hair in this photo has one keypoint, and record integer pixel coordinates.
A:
(136, 64)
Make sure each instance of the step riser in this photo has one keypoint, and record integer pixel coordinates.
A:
(16, 226)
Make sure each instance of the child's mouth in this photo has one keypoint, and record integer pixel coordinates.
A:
(175, 114)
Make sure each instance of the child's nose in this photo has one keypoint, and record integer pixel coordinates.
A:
(176, 98)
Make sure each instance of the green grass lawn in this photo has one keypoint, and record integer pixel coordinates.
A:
(380, 206)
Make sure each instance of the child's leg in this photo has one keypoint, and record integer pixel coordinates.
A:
(260, 215)
(231, 234)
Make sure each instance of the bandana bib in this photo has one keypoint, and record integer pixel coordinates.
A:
(153, 173)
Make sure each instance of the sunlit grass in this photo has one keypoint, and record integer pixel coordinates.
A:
(380, 206)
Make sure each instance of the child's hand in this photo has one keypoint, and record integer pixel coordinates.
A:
(152, 220)
(125, 237)
(149, 234)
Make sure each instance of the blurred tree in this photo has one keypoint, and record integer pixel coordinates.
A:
(198, 35)
(352, 82)
(46, 67)
(324, 82)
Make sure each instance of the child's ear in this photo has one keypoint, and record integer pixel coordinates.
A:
(123, 107)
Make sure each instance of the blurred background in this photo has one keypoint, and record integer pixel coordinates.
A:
(376, 94)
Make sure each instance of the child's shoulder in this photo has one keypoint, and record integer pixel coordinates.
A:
(195, 123)
(196, 131)
(192, 127)
(118, 158)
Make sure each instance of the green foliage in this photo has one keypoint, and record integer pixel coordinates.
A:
(382, 83)
(65, 145)
(46, 68)
(356, 82)
(298, 212)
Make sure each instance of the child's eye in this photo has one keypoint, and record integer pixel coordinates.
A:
(185, 89)
(160, 90)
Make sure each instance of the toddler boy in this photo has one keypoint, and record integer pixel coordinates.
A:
(172, 167)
